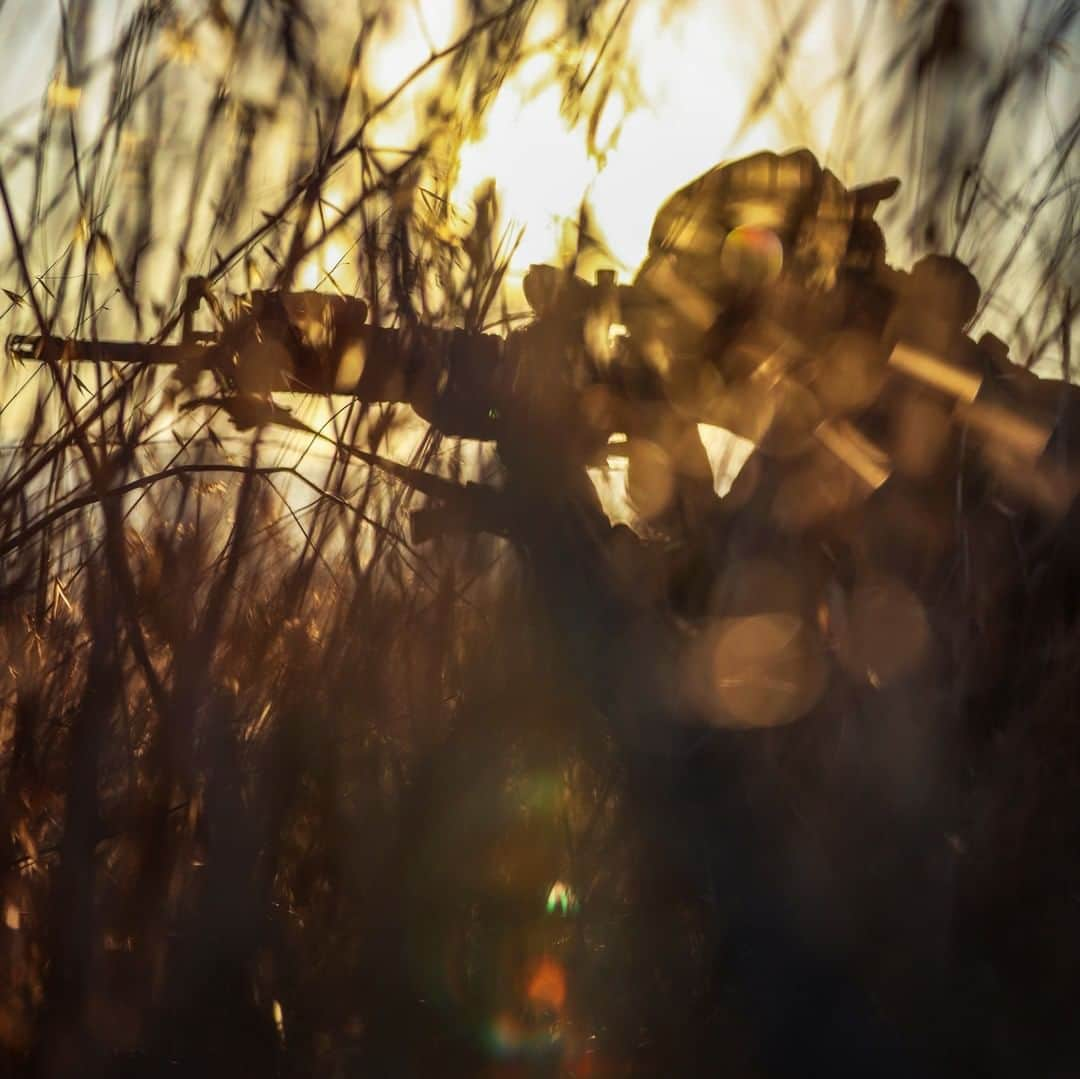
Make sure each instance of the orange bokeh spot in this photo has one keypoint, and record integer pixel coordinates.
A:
(547, 986)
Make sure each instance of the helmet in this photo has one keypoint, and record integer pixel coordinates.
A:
(743, 224)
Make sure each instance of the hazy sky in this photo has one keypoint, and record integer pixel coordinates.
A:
(697, 70)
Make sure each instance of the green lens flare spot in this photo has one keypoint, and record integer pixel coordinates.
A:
(561, 899)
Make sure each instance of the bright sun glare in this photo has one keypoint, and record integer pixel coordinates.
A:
(696, 74)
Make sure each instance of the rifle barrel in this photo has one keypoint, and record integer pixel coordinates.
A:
(75, 350)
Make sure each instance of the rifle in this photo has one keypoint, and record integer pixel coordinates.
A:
(307, 342)
(473, 385)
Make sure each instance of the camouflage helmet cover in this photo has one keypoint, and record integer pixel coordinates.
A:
(816, 223)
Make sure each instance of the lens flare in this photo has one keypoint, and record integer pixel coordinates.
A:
(752, 256)
(508, 1036)
(762, 670)
(561, 898)
(885, 634)
(547, 986)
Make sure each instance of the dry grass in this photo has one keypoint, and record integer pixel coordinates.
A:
(285, 794)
